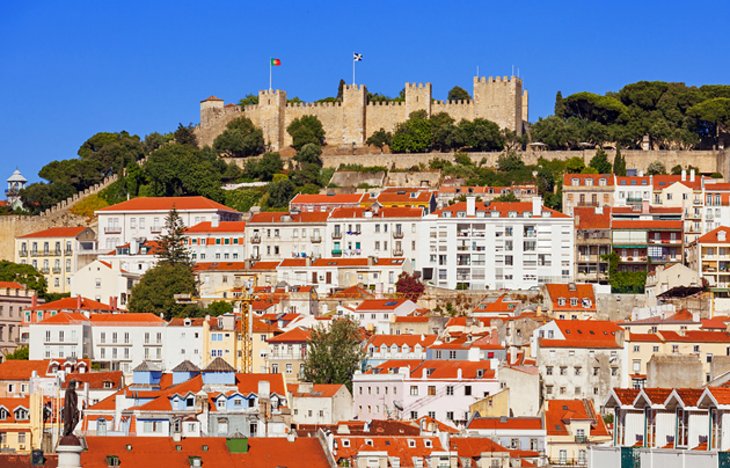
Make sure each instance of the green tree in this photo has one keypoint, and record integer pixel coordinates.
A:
(38, 197)
(556, 133)
(184, 135)
(172, 241)
(593, 107)
(559, 109)
(574, 165)
(507, 197)
(21, 353)
(23, 273)
(304, 130)
(264, 168)
(715, 111)
(182, 170)
(334, 354)
(656, 168)
(509, 162)
(443, 132)
(280, 192)
(600, 162)
(309, 154)
(380, 139)
(619, 163)
(413, 135)
(155, 140)
(249, 100)
(480, 135)
(241, 138)
(458, 94)
(217, 308)
(157, 288)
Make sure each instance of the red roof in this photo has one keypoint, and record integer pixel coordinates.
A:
(438, 368)
(405, 196)
(167, 204)
(582, 178)
(96, 380)
(647, 224)
(714, 236)
(11, 285)
(582, 293)
(502, 305)
(126, 319)
(405, 448)
(586, 217)
(57, 232)
(223, 226)
(71, 303)
(148, 452)
(662, 181)
(10, 404)
(585, 334)
(358, 212)
(318, 390)
(268, 217)
(696, 336)
(340, 262)
(559, 414)
(380, 304)
(219, 266)
(626, 396)
(328, 199)
(521, 423)
(23, 369)
(295, 335)
(293, 262)
(503, 208)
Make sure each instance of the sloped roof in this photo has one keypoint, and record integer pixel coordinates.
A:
(318, 390)
(223, 227)
(186, 366)
(56, 232)
(295, 335)
(380, 304)
(713, 237)
(559, 414)
(71, 303)
(219, 365)
(195, 203)
(580, 291)
(147, 366)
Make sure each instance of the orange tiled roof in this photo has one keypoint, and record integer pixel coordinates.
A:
(327, 199)
(268, 217)
(220, 266)
(22, 369)
(581, 292)
(504, 208)
(56, 232)
(647, 224)
(585, 334)
(559, 413)
(582, 178)
(144, 319)
(295, 335)
(96, 380)
(380, 304)
(496, 423)
(626, 396)
(438, 368)
(11, 404)
(713, 237)
(501, 305)
(11, 285)
(223, 226)
(396, 447)
(71, 303)
(318, 390)
(168, 203)
(65, 318)
(400, 340)
(340, 262)
(587, 218)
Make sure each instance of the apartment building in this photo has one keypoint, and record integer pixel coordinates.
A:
(685, 192)
(571, 301)
(362, 232)
(380, 348)
(579, 358)
(394, 197)
(213, 241)
(512, 245)
(105, 283)
(288, 353)
(573, 426)
(136, 256)
(305, 202)
(632, 190)
(277, 235)
(319, 403)
(520, 433)
(409, 389)
(587, 191)
(716, 208)
(144, 217)
(592, 243)
(710, 257)
(57, 253)
(14, 298)
(642, 244)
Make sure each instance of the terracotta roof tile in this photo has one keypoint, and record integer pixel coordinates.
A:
(56, 232)
(223, 227)
(195, 203)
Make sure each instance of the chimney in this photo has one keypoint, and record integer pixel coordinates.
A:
(684, 175)
(34, 301)
(692, 175)
(471, 206)
(134, 246)
(215, 220)
(599, 209)
(78, 302)
(536, 206)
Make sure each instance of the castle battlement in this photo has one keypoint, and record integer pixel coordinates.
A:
(351, 121)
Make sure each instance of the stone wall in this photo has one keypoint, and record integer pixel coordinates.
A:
(352, 121)
(706, 161)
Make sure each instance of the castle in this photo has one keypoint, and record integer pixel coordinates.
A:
(350, 122)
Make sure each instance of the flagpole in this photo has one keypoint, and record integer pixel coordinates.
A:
(270, 66)
(353, 68)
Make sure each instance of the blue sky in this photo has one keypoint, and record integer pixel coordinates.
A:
(70, 69)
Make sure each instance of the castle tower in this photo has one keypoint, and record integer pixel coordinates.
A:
(210, 109)
(271, 108)
(353, 107)
(418, 97)
(499, 99)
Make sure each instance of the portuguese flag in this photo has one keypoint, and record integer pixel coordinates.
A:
(275, 62)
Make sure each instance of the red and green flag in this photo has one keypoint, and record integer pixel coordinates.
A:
(275, 62)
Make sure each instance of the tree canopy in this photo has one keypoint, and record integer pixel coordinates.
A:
(420, 134)
(458, 93)
(156, 290)
(334, 353)
(172, 241)
(241, 138)
(25, 274)
(305, 130)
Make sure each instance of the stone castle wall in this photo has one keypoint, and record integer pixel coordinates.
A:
(350, 122)
(706, 161)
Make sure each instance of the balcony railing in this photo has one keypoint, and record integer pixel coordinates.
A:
(398, 252)
(23, 253)
(57, 252)
(337, 235)
(336, 252)
(315, 239)
(68, 252)
(34, 253)
(56, 270)
(113, 230)
(45, 270)
(397, 234)
(256, 239)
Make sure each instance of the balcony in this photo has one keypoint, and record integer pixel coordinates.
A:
(156, 229)
(57, 252)
(68, 252)
(581, 439)
(634, 200)
(34, 253)
(397, 234)
(640, 259)
(45, 270)
(336, 252)
(255, 257)
(113, 230)
(57, 270)
(315, 239)
(256, 239)
(23, 253)
(398, 252)
(337, 235)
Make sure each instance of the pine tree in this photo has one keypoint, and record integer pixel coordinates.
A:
(600, 162)
(619, 163)
(559, 105)
(172, 242)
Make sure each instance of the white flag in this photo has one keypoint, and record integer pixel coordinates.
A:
(356, 57)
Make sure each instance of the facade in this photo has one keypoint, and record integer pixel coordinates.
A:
(513, 245)
(319, 403)
(377, 315)
(14, 298)
(572, 427)
(579, 358)
(408, 389)
(103, 282)
(350, 122)
(641, 245)
(523, 433)
(213, 241)
(276, 235)
(571, 301)
(710, 257)
(288, 353)
(183, 338)
(592, 243)
(57, 253)
(587, 191)
(143, 218)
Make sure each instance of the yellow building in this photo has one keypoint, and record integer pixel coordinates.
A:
(261, 332)
(57, 253)
(572, 426)
(21, 423)
(288, 352)
(222, 338)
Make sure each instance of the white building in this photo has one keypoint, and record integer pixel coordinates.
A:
(101, 281)
(276, 235)
(183, 340)
(362, 232)
(512, 245)
(319, 403)
(377, 315)
(136, 256)
(213, 241)
(144, 218)
(409, 389)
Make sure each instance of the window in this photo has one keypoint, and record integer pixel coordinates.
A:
(414, 390)
(449, 389)
(431, 390)
(450, 415)
(467, 390)
(549, 370)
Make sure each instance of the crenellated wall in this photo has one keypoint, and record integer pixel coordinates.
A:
(353, 120)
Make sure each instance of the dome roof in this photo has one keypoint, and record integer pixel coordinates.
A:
(17, 177)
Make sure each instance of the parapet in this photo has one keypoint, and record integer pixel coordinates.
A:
(354, 87)
(311, 105)
(497, 79)
(418, 85)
